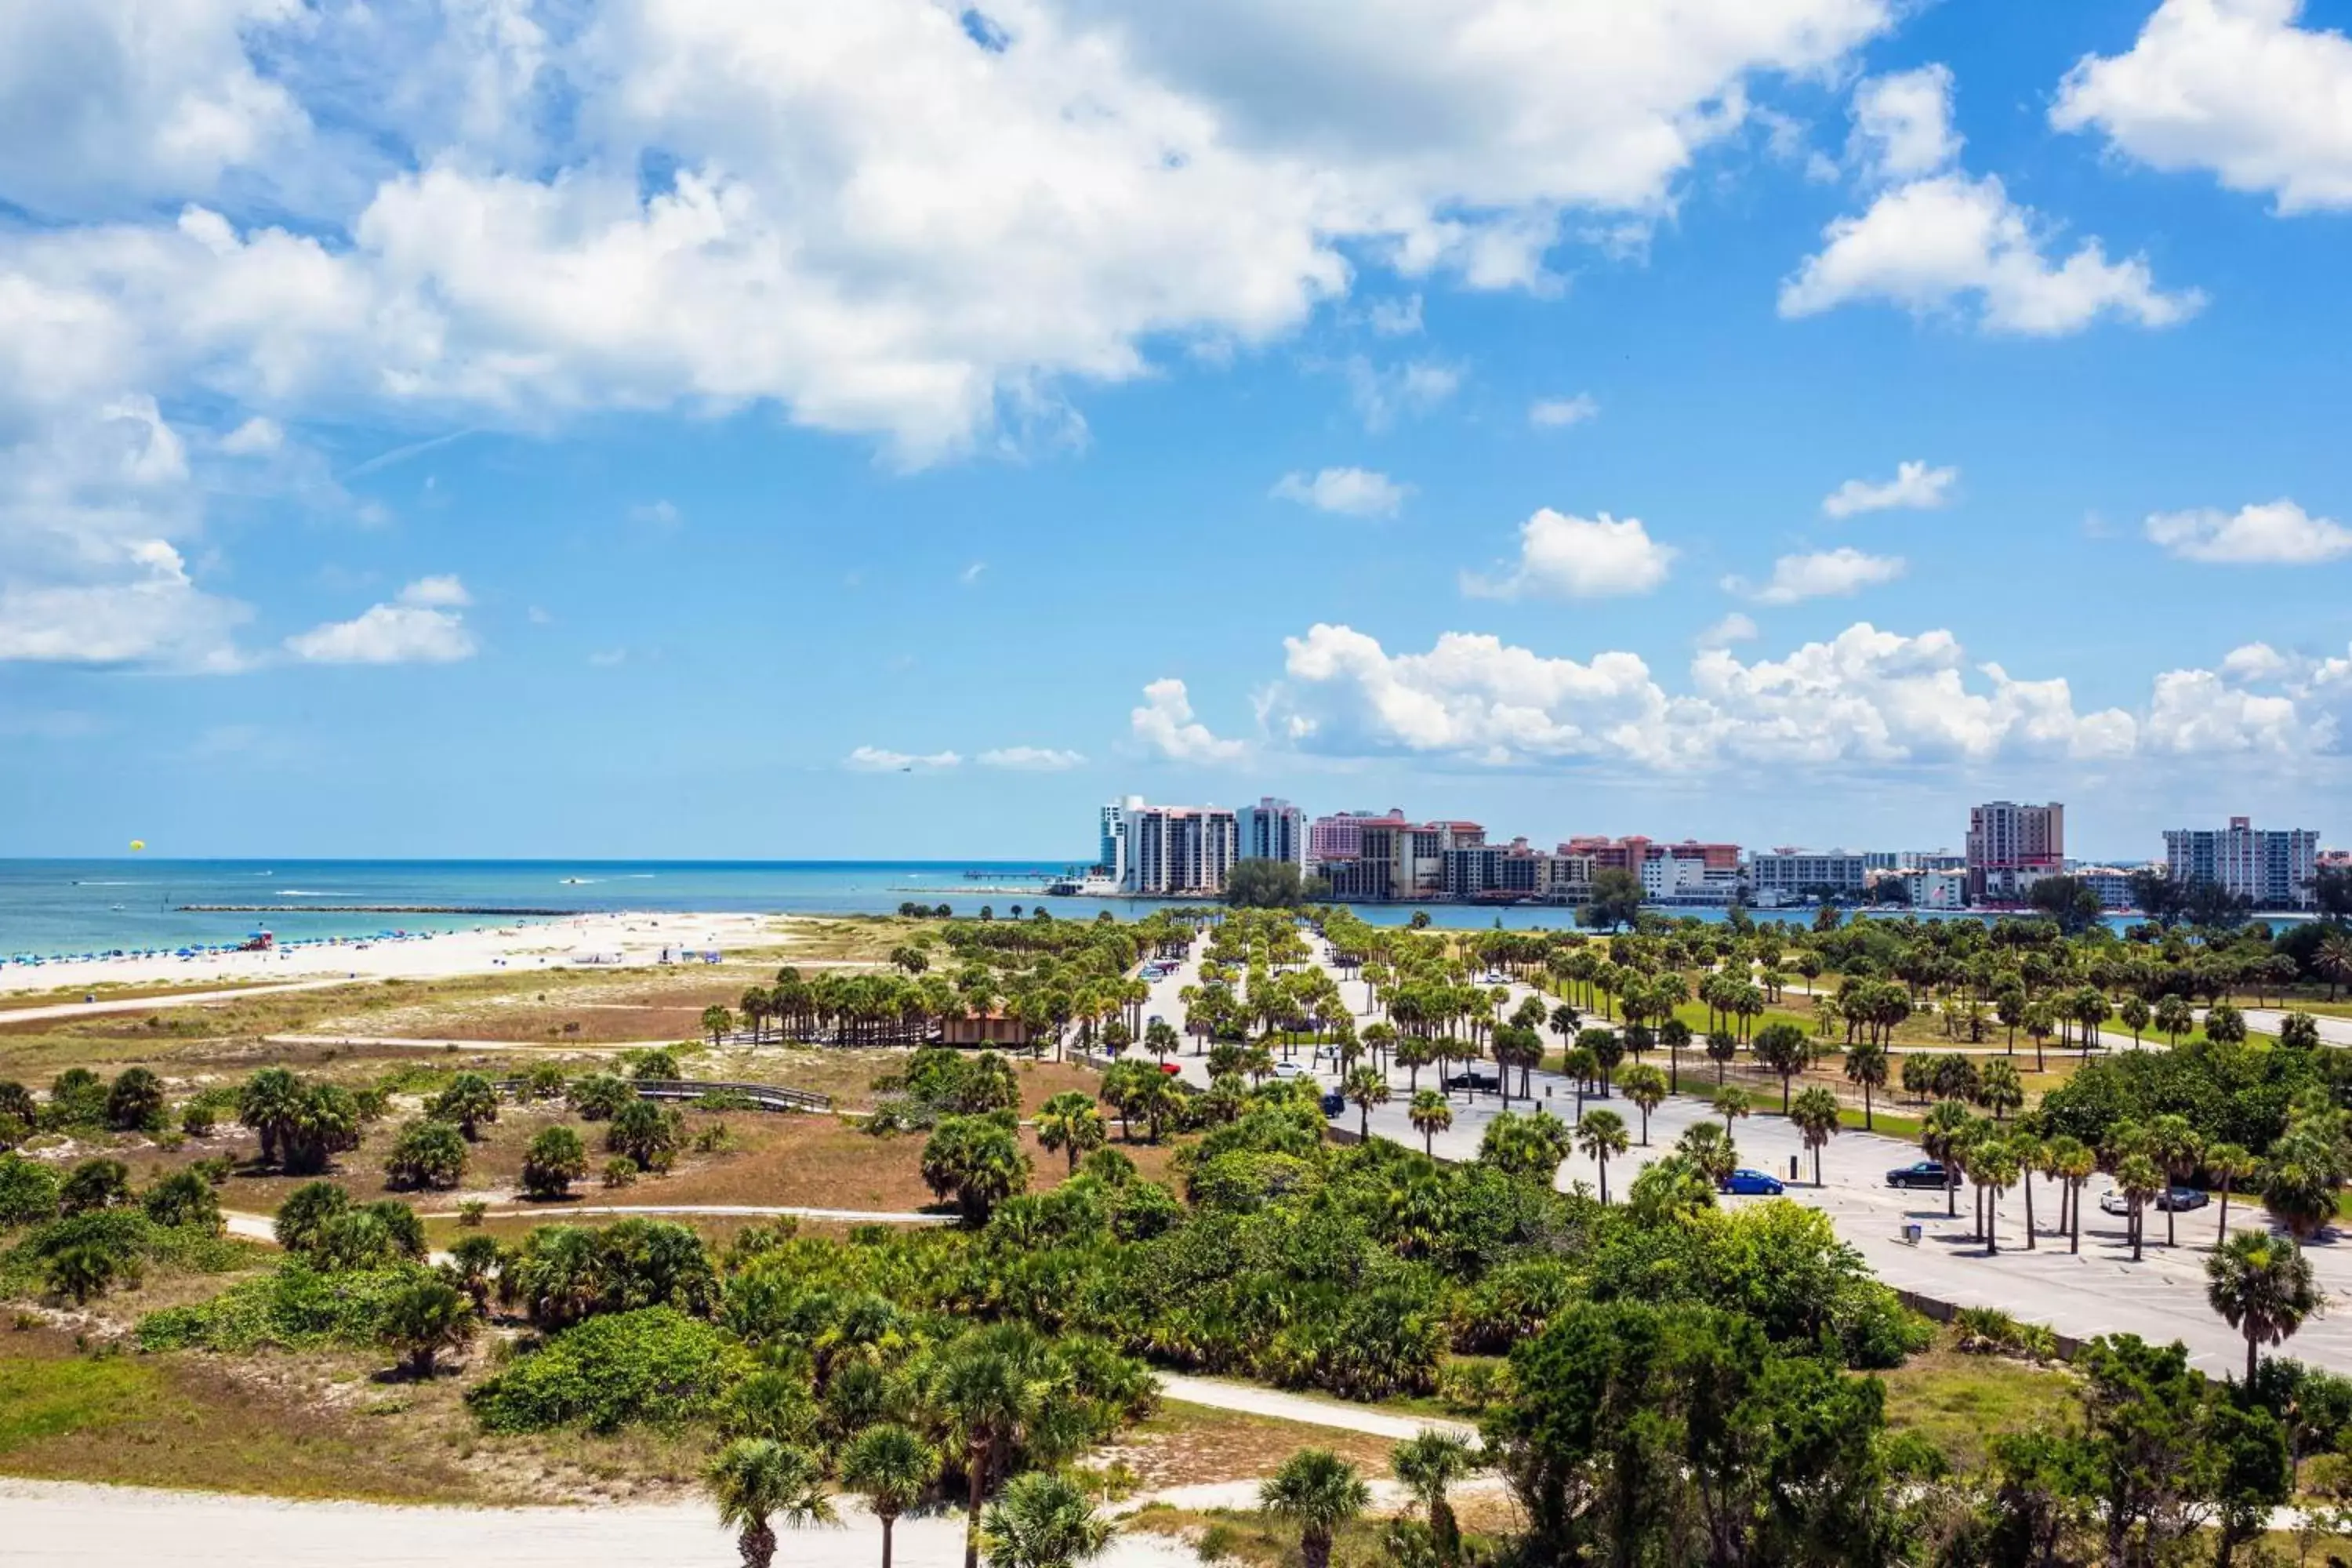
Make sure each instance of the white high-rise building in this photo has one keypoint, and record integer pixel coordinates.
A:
(2273, 866)
(1178, 851)
(1110, 858)
(1271, 830)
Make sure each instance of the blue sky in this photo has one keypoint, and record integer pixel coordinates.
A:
(761, 430)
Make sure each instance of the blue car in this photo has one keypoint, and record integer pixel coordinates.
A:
(1334, 1102)
(1752, 1184)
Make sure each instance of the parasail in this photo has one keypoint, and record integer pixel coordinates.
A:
(137, 845)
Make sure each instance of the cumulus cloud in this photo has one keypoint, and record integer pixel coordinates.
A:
(1031, 759)
(2254, 661)
(1164, 725)
(1557, 413)
(1865, 696)
(1824, 574)
(863, 215)
(1354, 492)
(1396, 318)
(1938, 240)
(2274, 533)
(1914, 485)
(1733, 627)
(876, 759)
(2230, 86)
(1384, 394)
(257, 437)
(422, 626)
(661, 515)
(1902, 123)
(142, 609)
(1577, 558)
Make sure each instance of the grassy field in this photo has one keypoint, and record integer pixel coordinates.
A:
(1960, 1402)
(1183, 1444)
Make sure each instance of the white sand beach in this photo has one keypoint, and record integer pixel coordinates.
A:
(629, 939)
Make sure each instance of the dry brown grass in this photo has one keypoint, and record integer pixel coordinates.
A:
(1186, 1444)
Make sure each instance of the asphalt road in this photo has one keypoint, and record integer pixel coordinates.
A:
(2099, 1292)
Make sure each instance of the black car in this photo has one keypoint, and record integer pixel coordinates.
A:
(1924, 1174)
(1475, 1081)
(1334, 1102)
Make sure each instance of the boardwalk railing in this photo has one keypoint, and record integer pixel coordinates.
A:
(760, 1096)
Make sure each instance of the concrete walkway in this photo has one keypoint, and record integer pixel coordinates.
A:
(1251, 1399)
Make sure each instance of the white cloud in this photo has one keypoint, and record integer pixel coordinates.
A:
(1865, 696)
(1557, 413)
(1031, 758)
(1914, 485)
(141, 609)
(1824, 574)
(1733, 627)
(1934, 244)
(257, 437)
(1382, 397)
(972, 573)
(2232, 86)
(2275, 533)
(2197, 712)
(1356, 493)
(1398, 318)
(1579, 558)
(856, 212)
(423, 625)
(1165, 725)
(661, 515)
(874, 760)
(2254, 661)
(1902, 123)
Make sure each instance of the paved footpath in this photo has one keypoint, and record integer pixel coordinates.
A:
(2099, 1292)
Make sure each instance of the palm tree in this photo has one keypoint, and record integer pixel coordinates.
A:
(1994, 1167)
(2073, 1163)
(2139, 1180)
(988, 1395)
(1043, 1520)
(1866, 1064)
(427, 1317)
(1731, 1104)
(2176, 1147)
(1317, 1492)
(1939, 1134)
(1646, 1086)
(1815, 1115)
(753, 1481)
(2032, 1154)
(891, 1468)
(1431, 1114)
(2261, 1286)
(1069, 1123)
(1426, 1464)
(2229, 1163)
(1601, 1134)
(1368, 1086)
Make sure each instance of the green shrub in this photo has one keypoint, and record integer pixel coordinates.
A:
(77, 1099)
(647, 1132)
(28, 1192)
(427, 1153)
(620, 1171)
(184, 1198)
(555, 1160)
(95, 1184)
(292, 1307)
(1989, 1330)
(88, 1270)
(127, 1235)
(134, 1102)
(380, 1234)
(658, 1365)
(544, 1081)
(598, 1097)
(308, 1207)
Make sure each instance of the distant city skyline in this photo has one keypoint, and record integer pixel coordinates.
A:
(794, 430)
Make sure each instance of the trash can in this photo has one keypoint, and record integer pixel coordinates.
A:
(1792, 1167)
(1911, 1231)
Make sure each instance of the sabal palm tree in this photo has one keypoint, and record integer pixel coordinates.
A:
(1365, 1087)
(1431, 1114)
(987, 1394)
(2139, 1180)
(1317, 1492)
(1866, 1065)
(1994, 1167)
(2176, 1147)
(2261, 1286)
(1043, 1520)
(2073, 1163)
(754, 1482)
(891, 1468)
(1426, 1464)
(1731, 1103)
(1939, 1134)
(1069, 1123)
(1646, 1086)
(1600, 1134)
(2229, 1163)
(1815, 1115)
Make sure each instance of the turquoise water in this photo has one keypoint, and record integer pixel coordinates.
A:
(53, 908)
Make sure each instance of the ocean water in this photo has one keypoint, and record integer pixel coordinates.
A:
(53, 908)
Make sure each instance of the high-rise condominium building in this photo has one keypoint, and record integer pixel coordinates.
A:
(2011, 845)
(1178, 851)
(1110, 858)
(1272, 830)
(2271, 866)
(1341, 837)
